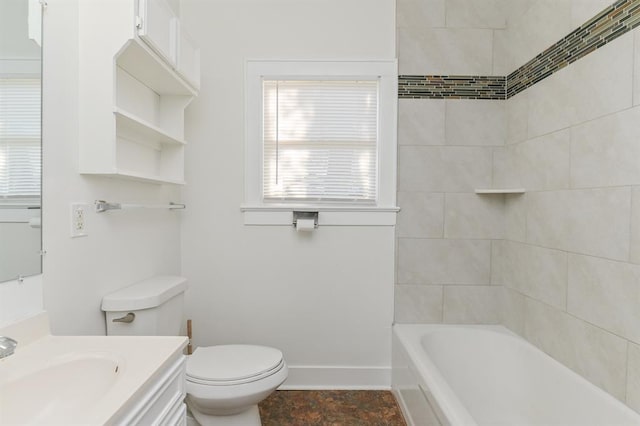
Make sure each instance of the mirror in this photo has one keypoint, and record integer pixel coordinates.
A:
(20, 138)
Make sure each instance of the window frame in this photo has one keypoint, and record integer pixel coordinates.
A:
(256, 210)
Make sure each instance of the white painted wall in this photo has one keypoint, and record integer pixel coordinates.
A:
(122, 247)
(325, 299)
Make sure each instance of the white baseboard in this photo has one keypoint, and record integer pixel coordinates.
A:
(320, 377)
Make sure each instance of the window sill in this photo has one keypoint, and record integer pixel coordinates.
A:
(328, 215)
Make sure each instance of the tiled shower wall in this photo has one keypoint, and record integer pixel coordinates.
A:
(570, 262)
(560, 264)
(445, 231)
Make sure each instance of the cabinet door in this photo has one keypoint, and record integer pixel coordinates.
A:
(158, 27)
(188, 63)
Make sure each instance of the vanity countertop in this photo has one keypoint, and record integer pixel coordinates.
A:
(77, 379)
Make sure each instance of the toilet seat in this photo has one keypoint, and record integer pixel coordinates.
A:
(227, 365)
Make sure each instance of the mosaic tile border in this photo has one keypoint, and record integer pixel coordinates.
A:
(451, 87)
(611, 23)
(614, 21)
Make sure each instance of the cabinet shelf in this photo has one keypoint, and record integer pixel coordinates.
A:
(132, 98)
(145, 65)
(125, 121)
(141, 177)
(501, 191)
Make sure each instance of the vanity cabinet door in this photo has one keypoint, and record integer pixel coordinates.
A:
(157, 27)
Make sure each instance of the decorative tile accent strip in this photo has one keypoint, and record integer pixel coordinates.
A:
(617, 19)
(611, 23)
(451, 87)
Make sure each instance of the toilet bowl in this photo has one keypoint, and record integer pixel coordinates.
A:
(225, 383)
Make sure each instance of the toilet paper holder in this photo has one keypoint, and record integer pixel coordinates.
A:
(305, 215)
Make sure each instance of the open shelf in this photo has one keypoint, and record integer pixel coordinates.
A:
(501, 191)
(145, 65)
(144, 129)
(131, 99)
(140, 177)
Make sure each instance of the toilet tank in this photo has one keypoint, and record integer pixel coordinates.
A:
(157, 305)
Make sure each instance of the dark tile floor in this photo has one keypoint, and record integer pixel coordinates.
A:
(331, 408)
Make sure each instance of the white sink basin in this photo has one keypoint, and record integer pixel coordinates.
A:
(71, 383)
(78, 380)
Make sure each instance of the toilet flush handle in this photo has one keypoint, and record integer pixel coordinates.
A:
(127, 318)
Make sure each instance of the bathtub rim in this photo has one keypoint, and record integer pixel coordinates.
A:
(444, 400)
(448, 403)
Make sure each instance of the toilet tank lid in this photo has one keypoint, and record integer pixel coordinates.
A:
(144, 294)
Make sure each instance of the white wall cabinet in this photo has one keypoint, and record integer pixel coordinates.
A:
(133, 90)
(156, 25)
(188, 56)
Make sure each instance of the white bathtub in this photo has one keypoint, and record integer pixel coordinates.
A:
(486, 375)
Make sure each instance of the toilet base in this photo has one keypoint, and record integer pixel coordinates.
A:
(250, 417)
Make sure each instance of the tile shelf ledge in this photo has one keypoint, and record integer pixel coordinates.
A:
(500, 191)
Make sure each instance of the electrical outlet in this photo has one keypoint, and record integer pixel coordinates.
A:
(78, 224)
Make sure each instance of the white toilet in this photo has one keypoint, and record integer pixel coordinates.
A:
(225, 383)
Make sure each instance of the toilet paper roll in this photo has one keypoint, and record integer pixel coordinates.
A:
(305, 225)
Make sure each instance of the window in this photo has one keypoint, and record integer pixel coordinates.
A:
(19, 139)
(320, 135)
(319, 140)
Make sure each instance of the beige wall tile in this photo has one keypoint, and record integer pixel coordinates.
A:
(421, 122)
(500, 178)
(506, 167)
(602, 82)
(515, 216)
(444, 169)
(420, 13)
(544, 162)
(445, 51)
(423, 261)
(517, 113)
(597, 355)
(633, 377)
(547, 104)
(473, 216)
(528, 37)
(503, 61)
(634, 251)
(512, 310)
(517, 8)
(536, 272)
(605, 293)
(594, 221)
(605, 151)
(583, 10)
(421, 215)
(476, 14)
(599, 221)
(498, 248)
(547, 218)
(475, 122)
(418, 304)
(472, 304)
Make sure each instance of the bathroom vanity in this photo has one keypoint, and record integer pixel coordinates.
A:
(115, 380)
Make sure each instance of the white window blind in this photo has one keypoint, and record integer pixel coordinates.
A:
(20, 164)
(320, 140)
